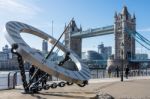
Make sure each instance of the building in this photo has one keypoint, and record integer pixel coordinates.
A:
(8, 61)
(92, 55)
(44, 47)
(124, 24)
(104, 51)
(124, 43)
(73, 43)
(53, 57)
(93, 59)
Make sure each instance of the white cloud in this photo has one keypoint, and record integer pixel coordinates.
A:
(18, 8)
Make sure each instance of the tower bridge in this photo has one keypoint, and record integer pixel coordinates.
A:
(123, 21)
(94, 32)
(124, 30)
(124, 42)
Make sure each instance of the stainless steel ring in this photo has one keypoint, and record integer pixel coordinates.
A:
(31, 55)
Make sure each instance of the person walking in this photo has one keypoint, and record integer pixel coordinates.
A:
(127, 72)
(117, 71)
(109, 73)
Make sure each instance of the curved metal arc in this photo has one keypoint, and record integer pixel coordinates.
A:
(30, 55)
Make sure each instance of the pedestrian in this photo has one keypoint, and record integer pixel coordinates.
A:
(127, 72)
(117, 71)
(109, 72)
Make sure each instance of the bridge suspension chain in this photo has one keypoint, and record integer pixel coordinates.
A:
(142, 43)
(143, 38)
(139, 38)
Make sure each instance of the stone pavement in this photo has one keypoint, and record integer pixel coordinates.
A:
(132, 88)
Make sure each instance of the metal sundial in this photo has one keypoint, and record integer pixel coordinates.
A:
(31, 55)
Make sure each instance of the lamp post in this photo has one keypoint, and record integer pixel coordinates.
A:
(122, 45)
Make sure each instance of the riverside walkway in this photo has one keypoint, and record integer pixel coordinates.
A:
(132, 88)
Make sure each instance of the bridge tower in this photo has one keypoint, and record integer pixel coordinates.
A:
(74, 44)
(124, 43)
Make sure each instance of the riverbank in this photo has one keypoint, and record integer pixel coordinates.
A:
(132, 88)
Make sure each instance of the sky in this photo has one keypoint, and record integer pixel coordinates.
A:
(87, 13)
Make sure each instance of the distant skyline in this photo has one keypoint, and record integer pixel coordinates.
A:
(87, 13)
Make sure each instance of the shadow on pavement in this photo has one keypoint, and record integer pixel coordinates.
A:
(63, 94)
(105, 86)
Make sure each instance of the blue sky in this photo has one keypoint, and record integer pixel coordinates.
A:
(87, 13)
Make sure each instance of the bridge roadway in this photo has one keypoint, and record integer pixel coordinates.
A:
(94, 32)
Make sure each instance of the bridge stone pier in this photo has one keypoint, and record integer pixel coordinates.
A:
(124, 43)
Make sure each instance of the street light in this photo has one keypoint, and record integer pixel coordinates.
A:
(122, 45)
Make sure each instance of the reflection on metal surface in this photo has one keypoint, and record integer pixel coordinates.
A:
(13, 36)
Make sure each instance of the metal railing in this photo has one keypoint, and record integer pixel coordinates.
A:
(8, 80)
(99, 73)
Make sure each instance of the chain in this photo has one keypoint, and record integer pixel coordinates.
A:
(35, 86)
(21, 67)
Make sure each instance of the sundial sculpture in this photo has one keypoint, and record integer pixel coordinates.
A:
(26, 53)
